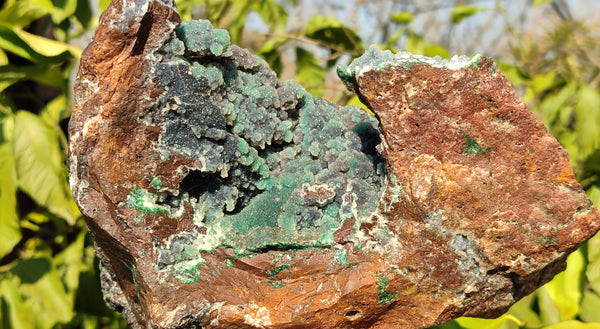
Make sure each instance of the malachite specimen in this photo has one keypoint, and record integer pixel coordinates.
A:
(222, 197)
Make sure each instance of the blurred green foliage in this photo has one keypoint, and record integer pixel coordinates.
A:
(48, 271)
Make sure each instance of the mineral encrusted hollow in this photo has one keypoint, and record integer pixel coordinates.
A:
(221, 197)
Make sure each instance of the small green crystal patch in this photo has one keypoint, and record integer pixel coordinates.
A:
(384, 296)
(472, 147)
(278, 269)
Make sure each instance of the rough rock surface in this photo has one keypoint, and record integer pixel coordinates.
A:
(221, 197)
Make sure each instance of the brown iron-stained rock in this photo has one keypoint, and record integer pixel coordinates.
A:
(221, 197)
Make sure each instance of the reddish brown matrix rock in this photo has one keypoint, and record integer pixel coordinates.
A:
(221, 197)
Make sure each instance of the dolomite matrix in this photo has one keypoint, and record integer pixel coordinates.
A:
(221, 197)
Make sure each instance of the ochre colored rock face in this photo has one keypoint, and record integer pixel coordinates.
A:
(221, 197)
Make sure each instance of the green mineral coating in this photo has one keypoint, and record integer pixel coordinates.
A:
(341, 258)
(201, 39)
(472, 147)
(187, 273)
(383, 295)
(278, 269)
(377, 59)
(276, 284)
(156, 183)
(257, 142)
(145, 202)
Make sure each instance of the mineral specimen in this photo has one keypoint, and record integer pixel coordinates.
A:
(221, 197)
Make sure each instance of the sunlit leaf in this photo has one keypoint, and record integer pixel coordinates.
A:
(538, 3)
(22, 13)
(11, 74)
(356, 102)
(573, 324)
(549, 313)
(512, 73)
(33, 47)
(3, 58)
(309, 72)
(417, 45)
(9, 218)
(463, 11)
(42, 287)
(587, 126)
(403, 17)
(593, 269)
(40, 168)
(552, 105)
(523, 311)
(104, 4)
(236, 19)
(565, 288)
(504, 322)
(18, 313)
(69, 264)
(63, 9)
(56, 110)
(273, 14)
(590, 307)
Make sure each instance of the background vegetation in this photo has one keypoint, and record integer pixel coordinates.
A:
(48, 273)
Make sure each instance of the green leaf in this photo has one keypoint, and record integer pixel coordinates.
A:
(565, 289)
(461, 12)
(42, 288)
(587, 125)
(18, 313)
(354, 100)
(549, 313)
(3, 58)
(22, 13)
(34, 47)
(552, 106)
(56, 110)
(273, 14)
(309, 72)
(403, 17)
(506, 321)
(11, 74)
(523, 311)
(417, 45)
(63, 9)
(573, 324)
(593, 269)
(590, 307)
(9, 225)
(512, 73)
(69, 264)
(237, 19)
(333, 34)
(538, 3)
(84, 13)
(271, 54)
(40, 168)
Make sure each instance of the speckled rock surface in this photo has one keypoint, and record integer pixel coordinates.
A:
(221, 197)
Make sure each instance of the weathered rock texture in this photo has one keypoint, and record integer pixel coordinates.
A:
(220, 197)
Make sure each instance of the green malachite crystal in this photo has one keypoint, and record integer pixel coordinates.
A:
(268, 150)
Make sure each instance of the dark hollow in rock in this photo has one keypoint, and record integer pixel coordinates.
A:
(221, 197)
